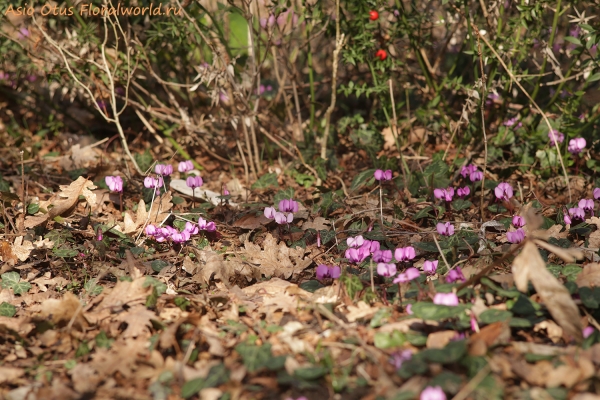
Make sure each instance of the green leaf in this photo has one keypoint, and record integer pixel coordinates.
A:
(453, 352)
(82, 350)
(381, 317)
(491, 315)
(144, 160)
(64, 252)
(33, 208)
(353, 285)
(437, 312)
(386, 340)
(160, 286)
(311, 286)
(257, 357)
(587, 297)
(92, 288)
(310, 373)
(158, 265)
(152, 298)
(461, 204)
(594, 78)
(7, 310)
(103, 341)
(362, 178)
(287, 193)
(265, 181)
(10, 279)
(216, 376)
(573, 40)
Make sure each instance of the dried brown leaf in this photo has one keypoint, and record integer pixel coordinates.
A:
(138, 321)
(10, 374)
(590, 276)
(62, 311)
(529, 265)
(161, 208)
(70, 195)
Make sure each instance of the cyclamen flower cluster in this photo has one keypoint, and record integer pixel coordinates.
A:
(164, 170)
(166, 233)
(445, 228)
(288, 206)
(328, 271)
(114, 183)
(503, 191)
(556, 136)
(516, 236)
(444, 194)
(381, 175)
(576, 145)
(153, 183)
(472, 172)
(185, 166)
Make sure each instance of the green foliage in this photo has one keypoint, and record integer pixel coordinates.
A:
(265, 181)
(259, 357)
(7, 310)
(12, 280)
(436, 312)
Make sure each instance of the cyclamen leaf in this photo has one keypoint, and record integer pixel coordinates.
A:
(265, 181)
(437, 312)
(362, 178)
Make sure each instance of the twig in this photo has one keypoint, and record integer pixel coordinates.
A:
(482, 105)
(440, 250)
(339, 43)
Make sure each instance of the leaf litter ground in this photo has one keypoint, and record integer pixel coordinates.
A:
(91, 307)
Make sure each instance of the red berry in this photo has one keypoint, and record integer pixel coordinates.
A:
(373, 15)
(381, 54)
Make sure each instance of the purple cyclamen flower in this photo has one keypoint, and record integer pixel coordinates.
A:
(445, 194)
(328, 271)
(556, 136)
(386, 269)
(463, 192)
(408, 309)
(355, 242)
(270, 212)
(404, 253)
(371, 245)
(180, 237)
(445, 229)
(596, 193)
(518, 221)
(381, 175)
(204, 225)
(446, 299)
(407, 276)
(455, 275)
(511, 122)
(151, 230)
(194, 181)
(164, 170)
(398, 358)
(23, 33)
(468, 170)
(429, 267)
(191, 228)
(432, 393)
(114, 183)
(185, 166)
(382, 256)
(567, 219)
(289, 206)
(587, 205)
(282, 218)
(587, 331)
(99, 234)
(516, 236)
(576, 145)
(476, 176)
(151, 183)
(577, 213)
(503, 191)
(357, 255)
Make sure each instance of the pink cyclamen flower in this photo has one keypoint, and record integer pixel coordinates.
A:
(468, 170)
(408, 309)
(463, 192)
(151, 230)
(407, 276)
(371, 246)
(23, 33)
(429, 267)
(476, 176)
(270, 212)
(444, 194)
(577, 213)
(513, 122)
(398, 358)
(404, 253)
(381, 175)
(518, 221)
(267, 22)
(503, 191)
(355, 242)
(445, 229)
(516, 236)
(386, 269)
(587, 331)
(164, 170)
(185, 166)
(99, 235)
(225, 191)
(180, 237)
(289, 206)
(150, 182)
(114, 183)
(556, 136)
(357, 255)
(567, 219)
(191, 228)
(382, 256)
(204, 225)
(474, 324)
(587, 205)
(445, 299)
(328, 271)
(596, 193)
(194, 181)
(282, 218)
(455, 275)
(576, 145)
